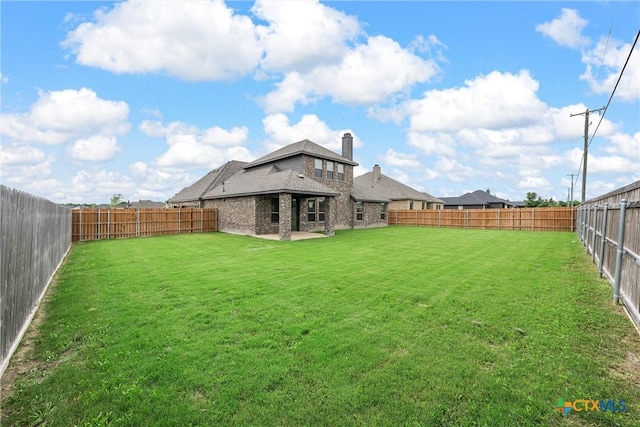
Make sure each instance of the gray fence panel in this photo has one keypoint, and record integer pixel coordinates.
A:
(35, 238)
(618, 263)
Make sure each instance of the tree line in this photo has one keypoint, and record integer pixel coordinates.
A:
(535, 201)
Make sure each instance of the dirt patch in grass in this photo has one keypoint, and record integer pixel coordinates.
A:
(23, 362)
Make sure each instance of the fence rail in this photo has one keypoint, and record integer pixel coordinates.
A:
(535, 219)
(97, 224)
(609, 228)
(36, 236)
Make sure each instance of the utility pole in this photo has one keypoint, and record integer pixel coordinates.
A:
(586, 147)
(571, 190)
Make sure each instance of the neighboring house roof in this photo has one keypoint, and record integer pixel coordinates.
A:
(363, 193)
(301, 147)
(144, 204)
(392, 189)
(207, 182)
(268, 180)
(477, 197)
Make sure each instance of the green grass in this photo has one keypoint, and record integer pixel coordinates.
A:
(392, 326)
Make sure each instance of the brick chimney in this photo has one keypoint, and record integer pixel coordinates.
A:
(376, 172)
(347, 146)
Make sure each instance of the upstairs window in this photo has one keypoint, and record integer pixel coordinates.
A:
(359, 211)
(321, 209)
(318, 168)
(275, 209)
(340, 172)
(329, 170)
(311, 210)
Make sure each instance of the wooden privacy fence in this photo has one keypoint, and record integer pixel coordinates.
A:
(97, 224)
(535, 219)
(609, 228)
(36, 236)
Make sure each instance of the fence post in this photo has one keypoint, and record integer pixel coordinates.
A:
(533, 216)
(138, 222)
(604, 238)
(439, 218)
(179, 219)
(619, 252)
(416, 218)
(98, 230)
(578, 213)
(593, 236)
(585, 230)
(201, 220)
(109, 224)
(498, 215)
(80, 230)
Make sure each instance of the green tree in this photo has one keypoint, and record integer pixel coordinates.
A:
(532, 199)
(117, 200)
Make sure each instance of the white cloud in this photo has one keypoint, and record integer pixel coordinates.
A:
(369, 73)
(101, 184)
(497, 100)
(433, 143)
(565, 29)
(60, 116)
(394, 158)
(3, 78)
(13, 153)
(95, 148)
(193, 40)
(304, 34)
(604, 64)
(625, 145)
(193, 147)
(537, 183)
(451, 170)
(281, 132)
(604, 164)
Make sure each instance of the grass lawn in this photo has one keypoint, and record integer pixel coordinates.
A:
(393, 326)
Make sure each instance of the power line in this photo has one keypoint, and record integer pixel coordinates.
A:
(587, 142)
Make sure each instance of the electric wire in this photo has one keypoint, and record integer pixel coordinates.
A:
(606, 107)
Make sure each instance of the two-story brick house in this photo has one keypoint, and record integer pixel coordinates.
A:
(300, 187)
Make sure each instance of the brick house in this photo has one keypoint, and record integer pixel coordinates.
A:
(300, 187)
(401, 196)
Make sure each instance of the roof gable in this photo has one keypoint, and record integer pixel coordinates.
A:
(392, 189)
(301, 147)
(212, 179)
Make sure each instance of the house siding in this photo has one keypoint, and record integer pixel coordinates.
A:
(235, 215)
(370, 217)
(342, 203)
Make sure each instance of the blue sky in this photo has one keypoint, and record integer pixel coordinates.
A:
(143, 98)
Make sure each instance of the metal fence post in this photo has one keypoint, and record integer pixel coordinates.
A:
(603, 237)
(619, 252)
(579, 223)
(585, 230)
(593, 236)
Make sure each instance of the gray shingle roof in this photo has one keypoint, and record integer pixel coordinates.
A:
(477, 197)
(392, 189)
(268, 180)
(207, 182)
(363, 193)
(301, 147)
